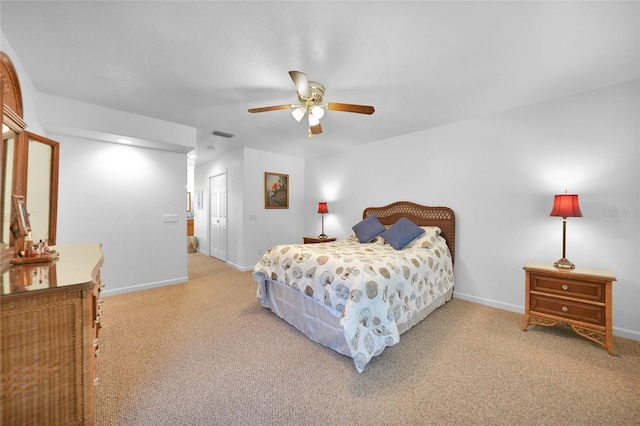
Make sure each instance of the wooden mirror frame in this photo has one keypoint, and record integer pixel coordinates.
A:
(11, 97)
(12, 113)
(54, 160)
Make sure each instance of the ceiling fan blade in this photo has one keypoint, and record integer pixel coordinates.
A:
(358, 109)
(272, 108)
(316, 130)
(302, 83)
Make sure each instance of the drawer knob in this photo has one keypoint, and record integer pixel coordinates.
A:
(565, 309)
(565, 287)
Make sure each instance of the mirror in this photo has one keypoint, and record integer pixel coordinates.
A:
(42, 186)
(28, 167)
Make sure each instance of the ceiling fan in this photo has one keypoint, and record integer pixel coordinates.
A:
(310, 95)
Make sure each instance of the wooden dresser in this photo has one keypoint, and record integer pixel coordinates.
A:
(50, 318)
(581, 298)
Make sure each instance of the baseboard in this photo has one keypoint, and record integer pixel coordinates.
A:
(617, 331)
(240, 268)
(231, 264)
(627, 334)
(122, 290)
(489, 302)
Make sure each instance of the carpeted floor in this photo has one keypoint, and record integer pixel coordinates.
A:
(206, 353)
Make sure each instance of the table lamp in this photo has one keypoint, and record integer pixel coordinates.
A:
(565, 205)
(322, 209)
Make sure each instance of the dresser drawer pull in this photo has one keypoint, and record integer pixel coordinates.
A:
(565, 287)
(565, 309)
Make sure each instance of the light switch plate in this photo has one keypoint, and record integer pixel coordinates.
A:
(170, 218)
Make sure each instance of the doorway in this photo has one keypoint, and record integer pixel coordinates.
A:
(218, 216)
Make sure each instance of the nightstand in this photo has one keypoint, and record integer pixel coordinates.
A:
(316, 240)
(581, 298)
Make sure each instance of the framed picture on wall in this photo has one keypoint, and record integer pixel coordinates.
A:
(276, 191)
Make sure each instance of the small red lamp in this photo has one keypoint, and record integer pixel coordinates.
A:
(322, 209)
(565, 205)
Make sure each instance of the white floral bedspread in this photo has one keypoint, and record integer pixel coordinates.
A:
(371, 287)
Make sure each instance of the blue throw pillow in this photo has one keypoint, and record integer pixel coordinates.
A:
(369, 228)
(401, 233)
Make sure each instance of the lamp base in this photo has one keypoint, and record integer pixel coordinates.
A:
(564, 263)
(322, 236)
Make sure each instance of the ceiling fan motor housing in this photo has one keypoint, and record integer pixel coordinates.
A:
(317, 94)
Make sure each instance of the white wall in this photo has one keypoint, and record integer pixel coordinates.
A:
(116, 194)
(252, 229)
(499, 174)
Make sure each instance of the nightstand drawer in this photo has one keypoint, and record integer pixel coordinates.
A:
(583, 312)
(584, 290)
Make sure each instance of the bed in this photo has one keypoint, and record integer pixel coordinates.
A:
(358, 297)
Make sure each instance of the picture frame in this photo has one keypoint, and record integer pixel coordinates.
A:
(22, 216)
(276, 190)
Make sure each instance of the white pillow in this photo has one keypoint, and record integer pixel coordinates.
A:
(376, 240)
(427, 239)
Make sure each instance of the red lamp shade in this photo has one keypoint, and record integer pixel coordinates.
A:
(322, 208)
(566, 205)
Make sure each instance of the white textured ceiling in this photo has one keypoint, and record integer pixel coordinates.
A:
(420, 64)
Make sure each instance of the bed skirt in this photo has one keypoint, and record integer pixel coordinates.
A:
(318, 322)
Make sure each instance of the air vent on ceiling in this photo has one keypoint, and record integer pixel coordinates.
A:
(222, 134)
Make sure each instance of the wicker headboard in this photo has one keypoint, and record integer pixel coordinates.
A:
(442, 217)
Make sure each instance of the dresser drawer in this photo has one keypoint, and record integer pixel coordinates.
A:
(585, 290)
(583, 312)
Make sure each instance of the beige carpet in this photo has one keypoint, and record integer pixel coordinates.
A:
(206, 353)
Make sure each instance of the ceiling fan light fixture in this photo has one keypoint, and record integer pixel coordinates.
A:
(298, 113)
(317, 111)
(313, 120)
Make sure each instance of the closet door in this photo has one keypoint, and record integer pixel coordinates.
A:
(218, 216)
